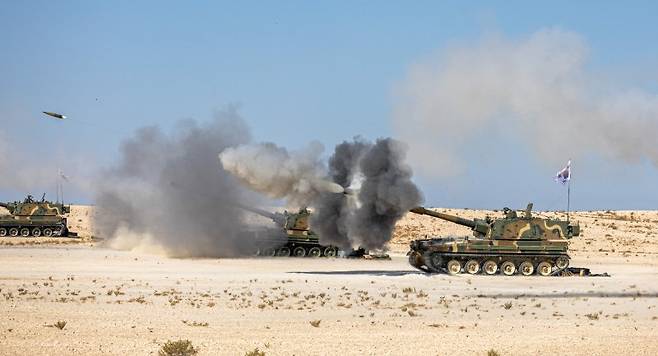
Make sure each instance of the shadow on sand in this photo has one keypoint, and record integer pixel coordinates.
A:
(570, 295)
(363, 273)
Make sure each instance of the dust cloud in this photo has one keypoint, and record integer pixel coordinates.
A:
(536, 89)
(167, 194)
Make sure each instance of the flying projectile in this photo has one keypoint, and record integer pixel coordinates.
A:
(55, 115)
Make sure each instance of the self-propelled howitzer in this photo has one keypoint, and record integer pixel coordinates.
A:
(31, 218)
(300, 239)
(511, 244)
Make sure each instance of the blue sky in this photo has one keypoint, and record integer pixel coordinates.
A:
(300, 71)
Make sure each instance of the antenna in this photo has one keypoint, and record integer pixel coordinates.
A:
(60, 185)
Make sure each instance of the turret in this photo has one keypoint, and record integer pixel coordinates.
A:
(512, 226)
(30, 207)
(287, 221)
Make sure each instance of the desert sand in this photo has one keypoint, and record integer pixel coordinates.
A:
(122, 302)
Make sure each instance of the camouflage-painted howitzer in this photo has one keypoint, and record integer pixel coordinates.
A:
(300, 239)
(31, 218)
(511, 244)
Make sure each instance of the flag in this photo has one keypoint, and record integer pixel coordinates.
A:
(564, 175)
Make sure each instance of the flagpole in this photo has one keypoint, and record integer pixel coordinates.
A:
(564, 176)
(568, 198)
(569, 191)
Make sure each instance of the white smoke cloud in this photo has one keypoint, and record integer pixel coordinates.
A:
(272, 170)
(537, 88)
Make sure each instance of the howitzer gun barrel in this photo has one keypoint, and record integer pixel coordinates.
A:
(455, 219)
(277, 218)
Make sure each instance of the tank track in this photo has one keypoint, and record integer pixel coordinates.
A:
(299, 249)
(33, 231)
(490, 264)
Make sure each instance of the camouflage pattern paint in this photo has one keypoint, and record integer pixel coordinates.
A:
(31, 218)
(511, 241)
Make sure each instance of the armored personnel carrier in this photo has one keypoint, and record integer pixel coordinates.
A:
(31, 218)
(509, 245)
(300, 239)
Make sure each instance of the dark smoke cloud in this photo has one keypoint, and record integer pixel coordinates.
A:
(332, 210)
(385, 194)
(168, 193)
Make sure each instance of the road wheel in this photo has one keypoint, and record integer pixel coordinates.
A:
(472, 266)
(434, 262)
(315, 252)
(490, 267)
(269, 252)
(13, 232)
(330, 252)
(508, 268)
(299, 252)
(3, 232)
(25, 232)
(454, 267)
(283, 252)
(544, 268)
(415, 259)
(562, 262)
(526, 268)
(49, 232)
(36, 232)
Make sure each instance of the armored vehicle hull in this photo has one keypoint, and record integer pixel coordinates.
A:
(511, 245)
(33, 228)
(33, 219)
(439, 255)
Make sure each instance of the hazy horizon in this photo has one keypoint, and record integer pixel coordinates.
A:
(492, 99)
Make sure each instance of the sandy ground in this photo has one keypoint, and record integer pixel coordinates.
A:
(117, 302)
